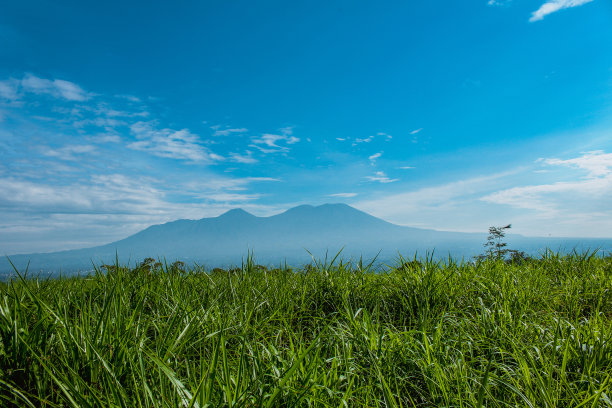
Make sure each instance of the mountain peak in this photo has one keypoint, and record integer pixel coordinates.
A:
(236, 213)
(307, 208)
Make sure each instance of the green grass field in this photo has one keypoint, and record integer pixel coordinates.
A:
(416, 334)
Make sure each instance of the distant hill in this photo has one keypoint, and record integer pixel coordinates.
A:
(289, 236)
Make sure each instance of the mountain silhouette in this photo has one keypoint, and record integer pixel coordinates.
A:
(291, 237)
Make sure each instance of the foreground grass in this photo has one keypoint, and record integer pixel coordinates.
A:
(418, 334)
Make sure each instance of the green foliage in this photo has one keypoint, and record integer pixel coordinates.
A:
(495, 246)
(420, 333)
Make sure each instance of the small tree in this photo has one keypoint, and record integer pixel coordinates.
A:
(495, 245)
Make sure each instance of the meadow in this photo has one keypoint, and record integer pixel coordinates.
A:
(418, 333)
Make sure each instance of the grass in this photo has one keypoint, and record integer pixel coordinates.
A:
(333, 334)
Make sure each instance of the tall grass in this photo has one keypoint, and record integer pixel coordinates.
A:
(333, 334)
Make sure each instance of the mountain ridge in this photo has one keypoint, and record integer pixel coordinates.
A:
(223, 240)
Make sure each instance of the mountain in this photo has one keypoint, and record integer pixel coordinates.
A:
(289, 236)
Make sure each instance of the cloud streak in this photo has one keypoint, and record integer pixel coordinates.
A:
(553, 6)
(170, 143)
(374, 157)
(102, 208)
(269, 142)
(597, 163)
(564, 197)
(13, 89)
(343, 195)
(243, 158)
(381, 177)
(227, 132)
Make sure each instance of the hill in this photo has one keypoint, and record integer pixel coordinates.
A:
(286, 237)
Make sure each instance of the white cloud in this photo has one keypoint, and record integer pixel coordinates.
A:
(232, 197)
(447, 206)
(407, 167)
(270, 141)
(57, 88)
(104, 208)
(170, 143)
(498, 2)
(343, 195)
(243, 158)
(106, 138)
(371, 138)
(374, 157)
(130, 98)
(565, 197)
(597, 163)
(8, 89)
(102, 193)
(553, 6)
(553, 199)
(415, 131)
(106, 123)
(228, 132)
(104, 109)
(573, 201)
(381, 177)
(365, 140)
(70, 152)
(225, 183)
(287, 130)
(13, 89)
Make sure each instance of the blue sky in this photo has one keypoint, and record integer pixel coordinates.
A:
(447, 115)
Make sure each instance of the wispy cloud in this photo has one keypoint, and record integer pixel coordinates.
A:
(103, 208)
(269, 143)
(552, 199)
(444, 206)
(130, 98)
(371, 138)
(70, 152)
(106, 110)
(100, 194)
(106, 123)
(8, 89)
(243, 158)
(564, 197)
(225, 183)
(343, 195)
(415, 131)
(381, 177)
(374, 157)
(364, 140)
(498, 2)
(597, 163)
(170, 143)
(57, 88)
(553, 6)
(218, 131)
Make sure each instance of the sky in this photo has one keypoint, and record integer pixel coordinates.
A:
(450, 115)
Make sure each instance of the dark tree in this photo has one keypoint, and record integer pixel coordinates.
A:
(495, 246)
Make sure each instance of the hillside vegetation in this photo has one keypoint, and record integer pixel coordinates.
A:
(534, 333)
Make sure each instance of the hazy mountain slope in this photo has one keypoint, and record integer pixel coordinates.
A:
(226, 239)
